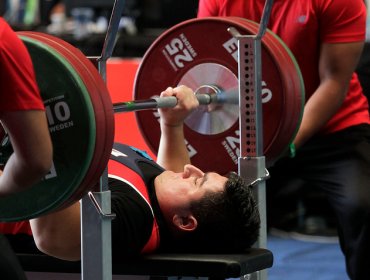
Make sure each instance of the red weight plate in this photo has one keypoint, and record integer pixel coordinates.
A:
(102, 107)
(92, 179)
(94, 95)
(70, 113)
(67, 51)
(192, 53)
(294, 105)
(293, 89)
(97, 83)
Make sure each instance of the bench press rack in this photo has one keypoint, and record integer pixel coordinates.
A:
(96, 250)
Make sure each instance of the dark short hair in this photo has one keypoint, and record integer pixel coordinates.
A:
(228, 221)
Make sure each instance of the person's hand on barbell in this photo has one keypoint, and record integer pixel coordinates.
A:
(172, 151)
(186, 103)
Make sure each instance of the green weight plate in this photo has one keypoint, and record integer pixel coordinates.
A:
(72, 128)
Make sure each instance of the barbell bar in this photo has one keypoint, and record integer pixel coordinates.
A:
(218, 98)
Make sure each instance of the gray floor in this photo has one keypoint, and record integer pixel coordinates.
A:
(302, 260)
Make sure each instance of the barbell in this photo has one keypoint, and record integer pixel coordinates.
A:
(216, 98)
(81, 114)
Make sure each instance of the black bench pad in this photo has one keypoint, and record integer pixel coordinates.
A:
(196, 265)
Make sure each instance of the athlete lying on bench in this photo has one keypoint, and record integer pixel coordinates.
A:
(169, 206)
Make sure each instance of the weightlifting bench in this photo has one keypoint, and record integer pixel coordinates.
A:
(212, 266)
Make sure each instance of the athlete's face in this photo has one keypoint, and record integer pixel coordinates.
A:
(177, 190)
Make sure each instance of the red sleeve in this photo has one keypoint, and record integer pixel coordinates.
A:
(208, 8)
(15, 227)
(343, 21)
(18, 88)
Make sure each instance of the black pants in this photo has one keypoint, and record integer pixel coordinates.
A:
(10, 268)
(339, 165)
